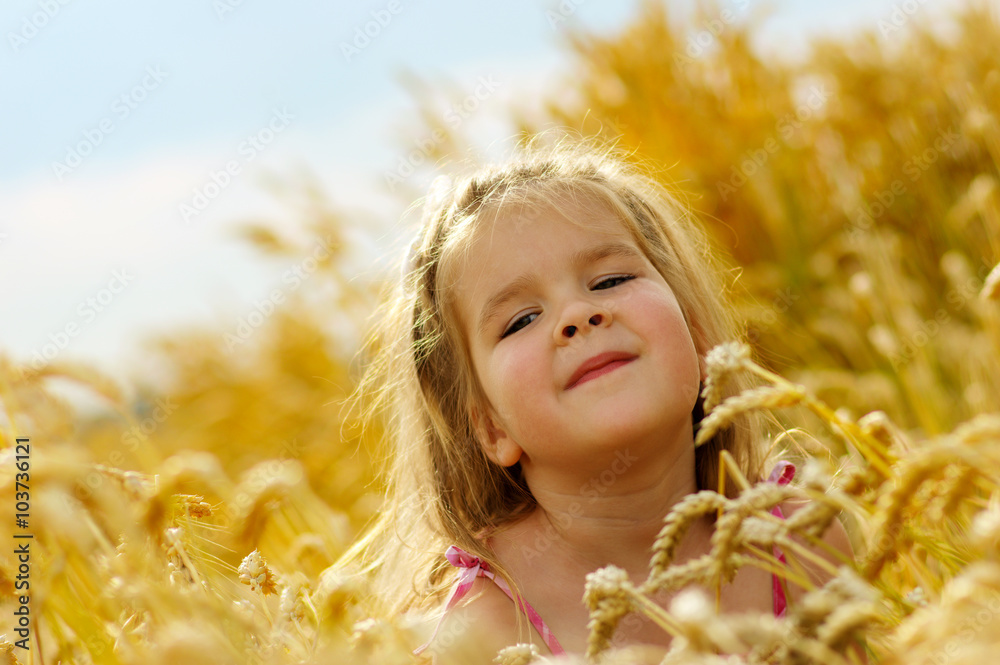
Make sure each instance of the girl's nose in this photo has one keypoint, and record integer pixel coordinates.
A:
(582, 317)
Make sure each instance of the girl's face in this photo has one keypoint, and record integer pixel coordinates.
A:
(578, 342)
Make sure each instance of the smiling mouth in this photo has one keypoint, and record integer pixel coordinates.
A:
(600, 371)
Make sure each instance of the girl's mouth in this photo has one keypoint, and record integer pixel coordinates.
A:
(598, 366)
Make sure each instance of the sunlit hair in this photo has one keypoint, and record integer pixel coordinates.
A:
(420, 387)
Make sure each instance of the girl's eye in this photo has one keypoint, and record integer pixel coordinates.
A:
(518, 324)
(612, 281)
(606, 283)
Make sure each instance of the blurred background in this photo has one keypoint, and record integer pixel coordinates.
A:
(121, 121)
(219, 182)
(201, 202)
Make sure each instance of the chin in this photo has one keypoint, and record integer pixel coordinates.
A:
(635, 419)
(638, 425)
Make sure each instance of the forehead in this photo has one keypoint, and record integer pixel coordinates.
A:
(573, 217)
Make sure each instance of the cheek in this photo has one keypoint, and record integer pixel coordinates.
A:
(517, 376)
(669, 332)
(658, 307)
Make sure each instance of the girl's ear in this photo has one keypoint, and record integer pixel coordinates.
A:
(496, 443)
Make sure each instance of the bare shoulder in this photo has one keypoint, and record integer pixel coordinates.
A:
(479, 626)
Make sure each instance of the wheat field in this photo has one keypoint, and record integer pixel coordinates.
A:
(856, 195)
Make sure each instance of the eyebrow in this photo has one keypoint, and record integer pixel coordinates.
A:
(525, 281)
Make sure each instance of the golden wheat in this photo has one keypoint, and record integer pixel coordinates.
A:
(151, 533)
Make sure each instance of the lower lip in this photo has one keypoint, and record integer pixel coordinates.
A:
(601, 371)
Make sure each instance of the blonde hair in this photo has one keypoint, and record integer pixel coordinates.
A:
(442, 488)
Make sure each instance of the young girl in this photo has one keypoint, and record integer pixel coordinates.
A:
(539, 369)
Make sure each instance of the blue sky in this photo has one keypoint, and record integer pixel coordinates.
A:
(118, 114)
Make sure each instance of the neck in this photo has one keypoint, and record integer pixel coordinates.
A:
(612, 514)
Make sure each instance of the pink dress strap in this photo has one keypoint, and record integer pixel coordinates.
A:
(470, 567)
(782, 474)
